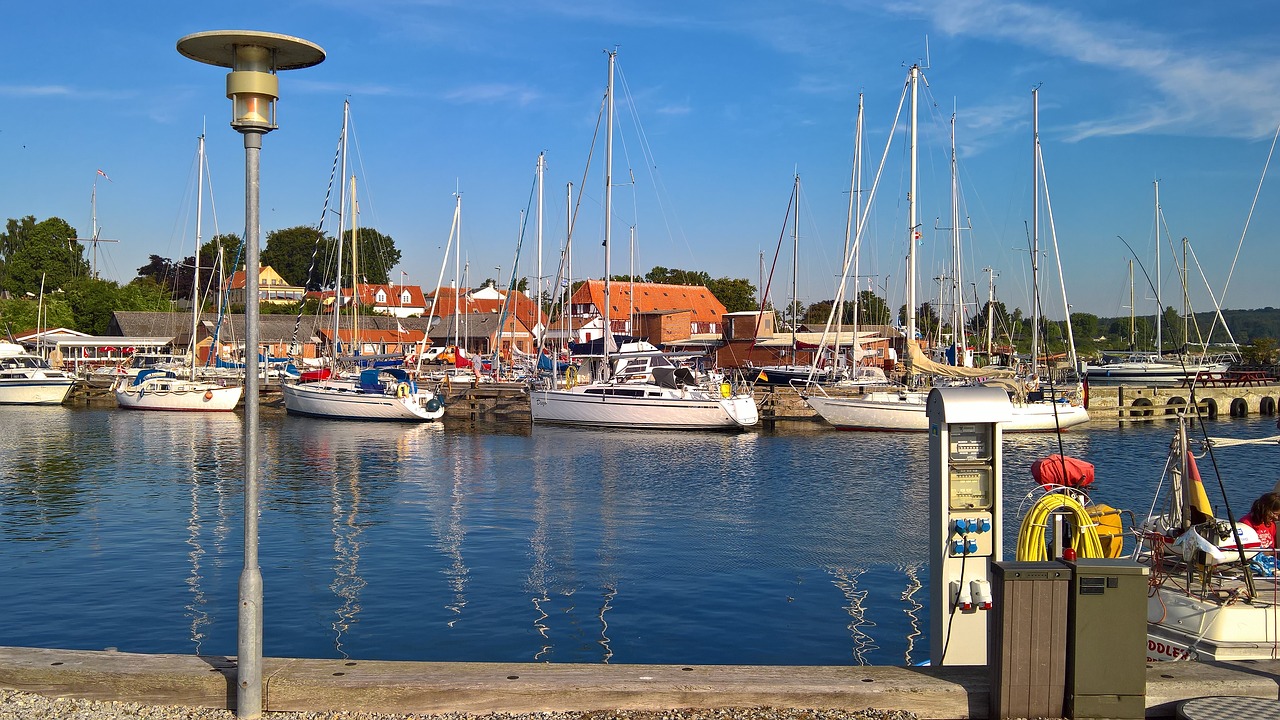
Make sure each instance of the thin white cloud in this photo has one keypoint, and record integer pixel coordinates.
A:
(1178, 86)
(492, 93)
(35, 90)
(330, 88)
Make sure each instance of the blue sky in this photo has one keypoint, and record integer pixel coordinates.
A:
(719, 103)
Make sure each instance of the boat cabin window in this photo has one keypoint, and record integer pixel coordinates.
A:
(617, 392)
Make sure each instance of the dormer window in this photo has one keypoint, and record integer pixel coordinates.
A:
(382, 297)
(404, 298)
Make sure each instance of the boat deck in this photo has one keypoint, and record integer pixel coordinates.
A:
(1212, 615)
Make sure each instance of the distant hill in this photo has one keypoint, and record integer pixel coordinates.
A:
(1245, 325)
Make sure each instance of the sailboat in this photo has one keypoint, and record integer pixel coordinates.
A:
(900, 409)
(1151, 367)
(375, 393)
(903, 409)
(642, 389)
(1038, 405)
(164, 389)
(1206, 602)
(831, 366)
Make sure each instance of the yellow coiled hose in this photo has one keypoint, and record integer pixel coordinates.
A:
(1031, 536)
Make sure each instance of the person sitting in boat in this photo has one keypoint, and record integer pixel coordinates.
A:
(1262, 517)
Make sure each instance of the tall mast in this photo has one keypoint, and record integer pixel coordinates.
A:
(1186, 305)
(853, 220)
(342, 209)
(608, 208)
(1035, 231)
(457, 272)
(1159, 304)
(912, 227)
(957, 317)
(795, 252)
(542, 164)
(1133, 323)
(355, 270)
(991, 308)
(195, 276)
(566, 294)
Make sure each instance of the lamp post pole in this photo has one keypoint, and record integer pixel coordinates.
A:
(254, 58)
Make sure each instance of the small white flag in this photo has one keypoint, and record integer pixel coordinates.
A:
(400, 327)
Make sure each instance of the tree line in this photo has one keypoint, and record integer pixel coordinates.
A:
(46, 261)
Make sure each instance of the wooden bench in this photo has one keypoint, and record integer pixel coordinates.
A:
(1207, 379)
(1249, 377)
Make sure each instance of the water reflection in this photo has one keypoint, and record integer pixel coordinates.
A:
(43, 472)
(846, 579)
(427, 543)
(913, 608)
(350, 459)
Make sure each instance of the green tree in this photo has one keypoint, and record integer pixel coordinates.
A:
(1172, 332)
(1261, 351)
(22, 314)
(736, 294)
(817, 313)
(872, 309)
(377, 255)
(290, 251)
(1085, 325)
(672, 276)
(32, 253)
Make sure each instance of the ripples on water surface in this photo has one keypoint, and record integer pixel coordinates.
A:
(384, 541)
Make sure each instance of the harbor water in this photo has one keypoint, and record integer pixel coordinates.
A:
(795, 546)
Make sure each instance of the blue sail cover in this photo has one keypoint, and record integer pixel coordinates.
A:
(596, 346)
(371, 380)
(545, 364)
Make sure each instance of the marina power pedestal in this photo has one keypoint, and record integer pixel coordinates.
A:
(964, 518)
(1107, 639)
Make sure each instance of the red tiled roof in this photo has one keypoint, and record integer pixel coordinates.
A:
(652, 297)
(522, 306)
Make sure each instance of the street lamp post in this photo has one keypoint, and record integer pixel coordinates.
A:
(254, 58)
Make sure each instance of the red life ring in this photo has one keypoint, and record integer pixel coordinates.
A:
(208, 394)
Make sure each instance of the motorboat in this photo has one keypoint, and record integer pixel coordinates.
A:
(27, 379)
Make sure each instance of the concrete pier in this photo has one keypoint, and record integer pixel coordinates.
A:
(948, 693)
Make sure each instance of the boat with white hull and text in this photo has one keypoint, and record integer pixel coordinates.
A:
(157, 389)
(377, 394)
(27, 379)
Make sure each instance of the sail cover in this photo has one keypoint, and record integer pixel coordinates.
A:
(923, 365)
(1058, 470)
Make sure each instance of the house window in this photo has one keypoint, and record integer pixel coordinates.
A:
(382, 297)
(404, 298)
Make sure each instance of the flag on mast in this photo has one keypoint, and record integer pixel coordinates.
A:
(104, 175)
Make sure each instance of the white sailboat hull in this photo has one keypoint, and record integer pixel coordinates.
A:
(905, 412)
(888, 411)
(661, 409)
(178, 395)
(1152, 372)
(343, 400)
(1182, 626)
